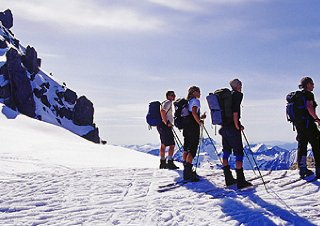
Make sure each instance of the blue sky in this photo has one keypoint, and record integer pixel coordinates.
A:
(124, 54)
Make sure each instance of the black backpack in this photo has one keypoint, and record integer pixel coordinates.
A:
(181, 113)
(296, 108)
(220, 104)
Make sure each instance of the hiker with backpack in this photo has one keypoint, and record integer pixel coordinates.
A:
(303, 115)
(231, 136)
(166, 133)
(191, 133)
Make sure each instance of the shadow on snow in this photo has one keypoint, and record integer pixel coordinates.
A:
(261, 214)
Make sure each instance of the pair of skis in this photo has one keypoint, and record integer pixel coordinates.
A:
(225, 191)
(174, 185)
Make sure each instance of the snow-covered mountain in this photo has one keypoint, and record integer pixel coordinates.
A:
(28, 89)
(266, 157)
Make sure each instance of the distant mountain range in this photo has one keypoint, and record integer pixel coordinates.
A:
(267, 157)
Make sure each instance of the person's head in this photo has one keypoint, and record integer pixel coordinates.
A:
(170, 95)
(306, 83)
(193, 92)
(236, 85)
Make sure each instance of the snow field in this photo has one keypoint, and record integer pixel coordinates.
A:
(106, 196)
(49, 176)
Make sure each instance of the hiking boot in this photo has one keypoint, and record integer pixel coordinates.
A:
(187, 171)
(171, 165)
(318, 172)
(194, 177)
(163, 164)
(189, 174)
(229, 179)
(305, 172)
(241, 180)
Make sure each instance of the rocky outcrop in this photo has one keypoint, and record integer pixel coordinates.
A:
(26, 88)
(21, 93)
(6, 18)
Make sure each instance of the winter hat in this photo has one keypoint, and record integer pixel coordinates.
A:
(234, 83)
(304, 81)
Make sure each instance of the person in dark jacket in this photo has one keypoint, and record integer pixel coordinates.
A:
(232, 140)
(307, 131)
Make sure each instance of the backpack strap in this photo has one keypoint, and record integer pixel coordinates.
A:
(169, 107)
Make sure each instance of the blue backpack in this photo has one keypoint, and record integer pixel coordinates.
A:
(296, 108)
(154, 117)
(220, 105)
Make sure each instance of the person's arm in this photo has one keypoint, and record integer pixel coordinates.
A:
(311, 111)
(236, 120)
(236, 102)
(163, 116)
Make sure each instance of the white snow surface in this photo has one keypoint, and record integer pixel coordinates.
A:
(49, 176)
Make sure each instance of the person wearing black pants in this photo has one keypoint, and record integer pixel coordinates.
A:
(307, 131)
(191, 133)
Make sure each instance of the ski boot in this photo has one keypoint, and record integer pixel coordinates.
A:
(229, 179)
(305, 172)
(163, 164)
(171, 165)
(241, 180)
(189, 174)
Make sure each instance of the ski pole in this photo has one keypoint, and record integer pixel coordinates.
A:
(200, 142)
(177, 139)
(252, 167)
(214, 147)
(264, 183)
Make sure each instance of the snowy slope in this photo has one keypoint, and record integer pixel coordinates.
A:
(49, 176)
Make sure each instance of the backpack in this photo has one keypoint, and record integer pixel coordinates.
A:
(154, 117)
(220, 105)
(181, 113)
(296, 108)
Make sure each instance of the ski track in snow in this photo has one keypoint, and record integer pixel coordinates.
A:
(108, 196)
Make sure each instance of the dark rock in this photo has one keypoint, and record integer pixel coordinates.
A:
(70, 96)
(30, 60)
(39, 92)
(45, 85)
(5, 91)
(60, 94)
(6, 18)
(16, 43)
(93, 136)
(65, 112)
(21, 90)
(83, 112)
(3, 44)
(44, 100)
(103, 142)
